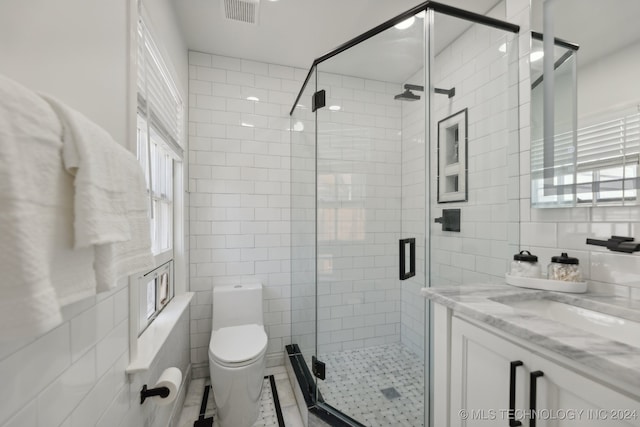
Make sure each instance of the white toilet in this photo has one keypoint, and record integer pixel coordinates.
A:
(237, 353)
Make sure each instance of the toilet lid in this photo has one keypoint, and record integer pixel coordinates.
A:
(237, 344)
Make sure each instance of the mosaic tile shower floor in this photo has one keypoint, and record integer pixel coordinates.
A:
(378, 386)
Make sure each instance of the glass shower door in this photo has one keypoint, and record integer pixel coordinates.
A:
(370, 194)
(303, 225)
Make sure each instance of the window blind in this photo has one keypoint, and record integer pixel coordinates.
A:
(610, 143)
(563, 155)
(606, 144)
(158, 97)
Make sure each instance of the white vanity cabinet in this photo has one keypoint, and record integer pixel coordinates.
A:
(481, 376)
(480, 373)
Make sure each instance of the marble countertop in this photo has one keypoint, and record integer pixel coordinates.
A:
(486, 303)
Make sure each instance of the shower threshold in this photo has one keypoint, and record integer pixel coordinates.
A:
(373, 387)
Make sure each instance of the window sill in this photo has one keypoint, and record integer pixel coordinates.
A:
(153, 338)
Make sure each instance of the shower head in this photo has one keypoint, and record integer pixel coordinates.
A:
(407, 95)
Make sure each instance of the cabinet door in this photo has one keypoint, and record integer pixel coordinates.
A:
(480, 376)
(565, 398)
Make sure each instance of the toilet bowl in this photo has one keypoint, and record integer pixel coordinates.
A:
(237, 353)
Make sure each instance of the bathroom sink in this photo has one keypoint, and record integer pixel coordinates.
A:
(606, 325)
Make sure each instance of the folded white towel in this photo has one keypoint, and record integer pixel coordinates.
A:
(111, 202)
(102, 170)
(121, 259)
(42, 264)
(29, 167)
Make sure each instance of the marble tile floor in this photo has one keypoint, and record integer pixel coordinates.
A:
(379, 386)
(267, 417)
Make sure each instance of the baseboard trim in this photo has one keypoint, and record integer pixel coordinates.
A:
(274, 359)
(200, 370)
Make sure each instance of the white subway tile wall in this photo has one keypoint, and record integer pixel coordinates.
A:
(482, 71)
(74, 375)
(239, 185)
(549, 232)
(358, 213)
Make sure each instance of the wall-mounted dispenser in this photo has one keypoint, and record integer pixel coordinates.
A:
(617, 244)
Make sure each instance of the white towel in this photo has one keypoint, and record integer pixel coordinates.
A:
(30, 166)
(116, 260)
(102, 170)
(110, 203)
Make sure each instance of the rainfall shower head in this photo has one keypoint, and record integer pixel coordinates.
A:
(407, 95)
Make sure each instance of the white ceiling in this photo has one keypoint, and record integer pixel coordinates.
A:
(295, 32)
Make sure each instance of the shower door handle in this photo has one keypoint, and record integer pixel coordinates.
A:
(404, 274)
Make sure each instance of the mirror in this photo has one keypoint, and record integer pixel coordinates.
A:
(585, 134)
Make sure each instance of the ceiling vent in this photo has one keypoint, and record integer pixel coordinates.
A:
(242, 10)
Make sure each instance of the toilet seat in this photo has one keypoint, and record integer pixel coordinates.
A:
(238, 345)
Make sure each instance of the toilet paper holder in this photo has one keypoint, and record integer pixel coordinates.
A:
(150, 392)
(166, 389)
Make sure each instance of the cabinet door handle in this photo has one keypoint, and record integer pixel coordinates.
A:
(512, 393)
(532, 396)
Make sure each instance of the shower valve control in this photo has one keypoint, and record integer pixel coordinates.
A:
(450, 220)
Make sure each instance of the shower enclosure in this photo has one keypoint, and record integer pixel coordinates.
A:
(370, 224)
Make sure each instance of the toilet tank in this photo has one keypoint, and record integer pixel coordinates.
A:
(235, 305)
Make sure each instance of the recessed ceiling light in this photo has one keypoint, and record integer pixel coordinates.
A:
(252, 98)
(422, 14)
(536, 55)
(335, 108)
(503, 48)
(405, 24)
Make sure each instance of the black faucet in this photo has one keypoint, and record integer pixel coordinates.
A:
(617, 244)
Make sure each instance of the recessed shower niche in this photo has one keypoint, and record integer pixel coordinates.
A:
(452, 158)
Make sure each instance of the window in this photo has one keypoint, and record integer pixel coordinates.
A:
(157, 161)
(341, 212)
(159, 135)
(156, 290)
